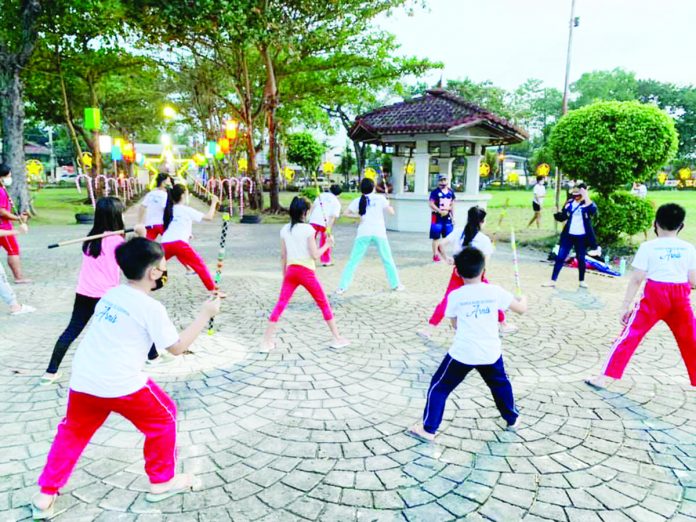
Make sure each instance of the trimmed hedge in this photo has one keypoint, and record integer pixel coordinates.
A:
(621, 212)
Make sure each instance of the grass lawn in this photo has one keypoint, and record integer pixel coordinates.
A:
(59, 205)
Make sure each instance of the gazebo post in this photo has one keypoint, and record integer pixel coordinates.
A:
(445, 161)
(398, 171)
(422, 162)
(473, 165)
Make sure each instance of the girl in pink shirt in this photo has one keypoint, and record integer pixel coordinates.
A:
(98, 274)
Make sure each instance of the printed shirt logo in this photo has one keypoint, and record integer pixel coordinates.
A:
(670, 253)
(108, 312)
(478, 308)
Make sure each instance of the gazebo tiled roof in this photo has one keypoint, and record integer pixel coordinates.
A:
(436, 112)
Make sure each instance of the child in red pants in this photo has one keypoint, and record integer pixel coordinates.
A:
(322, 216)
(669, 266)
(151, 209)
(107, 376)
(473, 236)
(299, 252)
(178, 221)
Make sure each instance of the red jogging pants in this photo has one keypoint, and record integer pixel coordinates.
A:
(150, 409)
(154, 231)
(454, 283)
(668, 302)
(187, 256)
(321, 232)
(296, 275)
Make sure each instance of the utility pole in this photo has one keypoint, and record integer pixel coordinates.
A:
(573, 22)
(53, 155)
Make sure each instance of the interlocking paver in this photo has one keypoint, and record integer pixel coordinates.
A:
(312, 433)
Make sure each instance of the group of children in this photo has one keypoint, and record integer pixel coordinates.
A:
(127, 324)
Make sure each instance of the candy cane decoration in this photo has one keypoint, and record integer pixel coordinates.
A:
(242, 180)
(230, 192)
(220, 262)
(106, 183)
(515, 263)
(115, 184)
(88, 182)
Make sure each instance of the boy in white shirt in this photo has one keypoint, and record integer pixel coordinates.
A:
(324, 212)
(107, 376)
(473, 311)
(539, 193)
(669, 266)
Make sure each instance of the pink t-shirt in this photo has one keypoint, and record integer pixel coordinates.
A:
(101, 274)
(5, 204)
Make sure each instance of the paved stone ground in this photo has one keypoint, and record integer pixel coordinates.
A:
(312, 433)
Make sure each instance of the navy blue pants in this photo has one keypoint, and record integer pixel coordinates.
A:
(448, 376)
(568, 242)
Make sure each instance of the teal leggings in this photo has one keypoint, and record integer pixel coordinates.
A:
(359, 249)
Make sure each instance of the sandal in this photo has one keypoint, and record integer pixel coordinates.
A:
(339, 343)
(416, 431)
(180, 484)
(50, 378)
(24, 309)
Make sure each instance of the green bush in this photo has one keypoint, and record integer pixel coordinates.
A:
(610, 144)
(310, 193)
(621, 212)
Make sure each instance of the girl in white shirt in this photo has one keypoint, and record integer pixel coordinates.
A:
(178, 220)
(299, 252)
(470, 235)
(370, 208)
(151, 211)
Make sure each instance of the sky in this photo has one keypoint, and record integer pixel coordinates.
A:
(508, 41)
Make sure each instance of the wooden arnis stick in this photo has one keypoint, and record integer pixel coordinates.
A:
(89, 238)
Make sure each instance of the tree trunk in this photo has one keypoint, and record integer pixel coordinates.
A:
(67, 113)
(256, 197)
(94, 144)
(359, 157)
(12, 109)
(271, 104)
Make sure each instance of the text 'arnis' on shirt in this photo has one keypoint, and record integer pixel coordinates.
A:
(666, 259)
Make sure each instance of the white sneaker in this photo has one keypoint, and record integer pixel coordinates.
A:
(583, 284)
(549, 284)
(399, 288)
(25, 309)
(340, 291)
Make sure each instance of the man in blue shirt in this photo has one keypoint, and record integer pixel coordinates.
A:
(442, 206)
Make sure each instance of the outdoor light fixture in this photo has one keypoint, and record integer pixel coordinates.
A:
(166, 140)
(169, 112)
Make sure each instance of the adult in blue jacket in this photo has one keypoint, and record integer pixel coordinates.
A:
(577, 232)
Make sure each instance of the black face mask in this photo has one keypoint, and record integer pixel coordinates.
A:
(159, 283)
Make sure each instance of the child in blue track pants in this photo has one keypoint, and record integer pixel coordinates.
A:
(473, 311)
(370, 208)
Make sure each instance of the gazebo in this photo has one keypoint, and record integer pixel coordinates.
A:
(433, 134)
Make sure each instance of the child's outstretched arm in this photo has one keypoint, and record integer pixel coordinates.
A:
(21, 229)
(519, 304)
(211, 211)
(209, 310)
(637, 278)
(315, 252)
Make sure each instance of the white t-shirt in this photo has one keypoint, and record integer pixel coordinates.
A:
(296, 244)
(331, 208)
(154, 203)
(480, 241)
(372, 223)
(641, 191)
(180, 228)
(539, 193)
(475, 306)
(666, 259)
(109, 361)
(577, 225)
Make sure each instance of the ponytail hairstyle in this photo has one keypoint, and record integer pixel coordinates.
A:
(367, 186)
(108, 217)
(161, 178)
(174, 196)
(475, 217)
(298, 210)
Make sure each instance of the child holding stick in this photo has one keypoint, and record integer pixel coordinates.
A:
(107, 376)
(668, 267)
(299, 253)
(98, 274)
(476, 346)
(322, 216)
(178, 224)
(471, 235)
(6, 292)
(370, 208)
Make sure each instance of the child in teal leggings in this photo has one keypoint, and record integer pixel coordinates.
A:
(370, 208)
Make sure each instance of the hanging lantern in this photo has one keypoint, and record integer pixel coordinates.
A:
(200, 159)
(328, 168)
(410, 168)
(116, 151)
(543, 169)
(662, 178)
(128, 152)
(370, 173)
(684, 173)
(92, 119)
(219, 155)
(513, 177)
(212, 148)
(104, 144)
(231, 129)
(224, 144)
(86, 160)
(140, 159)
(288, 173)
(242, 164)
(484, 170)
